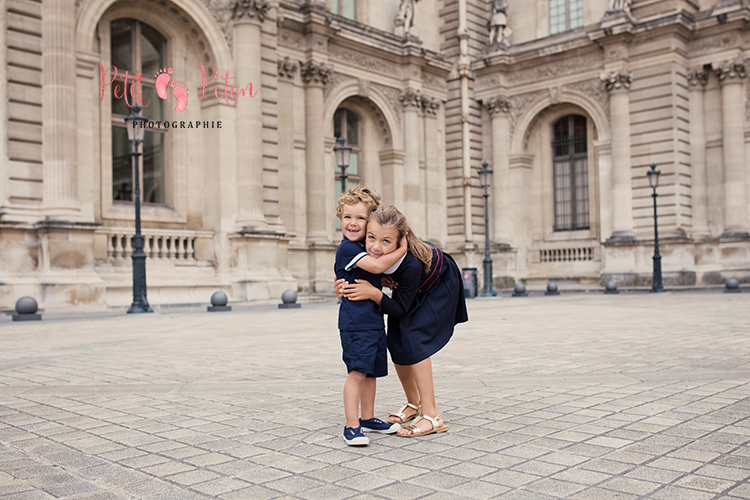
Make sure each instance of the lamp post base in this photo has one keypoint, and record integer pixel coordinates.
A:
(139, 308)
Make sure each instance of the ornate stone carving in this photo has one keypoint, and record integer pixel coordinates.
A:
(336, 52)
(594, 90)
(404, 20)
(410, 97)
(499, 31)
(392, 96)
(698, 75)
(565, 67)
(519, 104)
(221, 11)
(616, 5)
(555, 95)
(430, 105)
(251, 8)
(287, 67)
(619, 79)
(499, 104)
(731, 70)
(364, 87)
(313, 72)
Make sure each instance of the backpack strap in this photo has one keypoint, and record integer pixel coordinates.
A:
(437, 268)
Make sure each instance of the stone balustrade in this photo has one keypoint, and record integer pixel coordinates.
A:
(163, 244)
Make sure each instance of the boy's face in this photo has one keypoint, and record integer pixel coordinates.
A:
(381, 240)
(354, 221)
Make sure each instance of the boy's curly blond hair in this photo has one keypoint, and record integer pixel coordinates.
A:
(357, 194)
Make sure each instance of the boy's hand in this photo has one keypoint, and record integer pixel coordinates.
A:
(362, 290)
(403, 242)
(339, 287)
(388, 282)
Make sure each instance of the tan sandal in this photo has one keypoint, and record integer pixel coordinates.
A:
(400, 414)
(416, 431)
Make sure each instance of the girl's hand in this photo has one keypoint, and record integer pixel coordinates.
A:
(362, 290)
(339, 287)
(388, 282)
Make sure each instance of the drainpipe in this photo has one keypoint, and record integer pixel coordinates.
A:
(463, 68)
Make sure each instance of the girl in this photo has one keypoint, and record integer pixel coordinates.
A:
(422, 312)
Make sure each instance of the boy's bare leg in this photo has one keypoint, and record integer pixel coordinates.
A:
(367, 398)
(423, 376)
(409, 383)
(352, 393)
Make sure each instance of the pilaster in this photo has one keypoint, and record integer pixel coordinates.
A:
(618, 84)
(411, 104)
(697, 79)
(247, 18)
(499, 110)
(60, 190)
(731, 74)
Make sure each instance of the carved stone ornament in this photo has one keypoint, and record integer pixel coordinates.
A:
(251, 8)
(363, 87)
(731, 70)
(313, 72)
(555, 95)
(430, 105)
(616, 5)
(499, 104)
(410, 97)
(287, 67)
(698, 75)
(615, 80)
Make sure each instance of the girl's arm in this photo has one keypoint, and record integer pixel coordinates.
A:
(363, 290)
(385, 262)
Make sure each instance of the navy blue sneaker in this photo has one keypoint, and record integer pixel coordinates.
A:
(377, 425)
(354, 436)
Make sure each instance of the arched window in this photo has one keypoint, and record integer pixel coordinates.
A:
(570, 170)
(565, 15)
(345, 8)
(137, 47)
(346, 124)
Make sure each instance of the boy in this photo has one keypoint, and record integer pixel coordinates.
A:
(361, 327)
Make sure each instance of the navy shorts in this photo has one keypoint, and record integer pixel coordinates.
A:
(365, 351)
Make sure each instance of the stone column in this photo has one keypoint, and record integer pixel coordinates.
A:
(435, 182)
(411, 101)
(697, 78)
(618, 85)
(731, 75)
(499, 109)
(60, 189)
(247, 18)
(315, 76)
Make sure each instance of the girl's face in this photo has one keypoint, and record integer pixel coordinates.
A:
(354, 221)
(381, 240)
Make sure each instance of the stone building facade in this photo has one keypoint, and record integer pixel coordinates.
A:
(569, 101)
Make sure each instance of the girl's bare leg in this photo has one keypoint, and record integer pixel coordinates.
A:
(409, 383)
(422, 373)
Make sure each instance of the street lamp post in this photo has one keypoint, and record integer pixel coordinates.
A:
(653, 180)
(135, 124)
(485, 178)
(342, 152)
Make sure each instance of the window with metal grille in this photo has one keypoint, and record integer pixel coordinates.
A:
(570, 171)
(346, 125)
(565, 15)
(136, 47)
(346, 8)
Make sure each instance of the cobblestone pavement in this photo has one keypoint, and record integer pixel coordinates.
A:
(576, 396)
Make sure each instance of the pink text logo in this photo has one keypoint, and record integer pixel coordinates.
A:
(228, 90)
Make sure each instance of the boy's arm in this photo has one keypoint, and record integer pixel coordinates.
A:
(385, 262)
(381, 264)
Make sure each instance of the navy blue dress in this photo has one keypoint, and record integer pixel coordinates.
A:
(424, 308)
